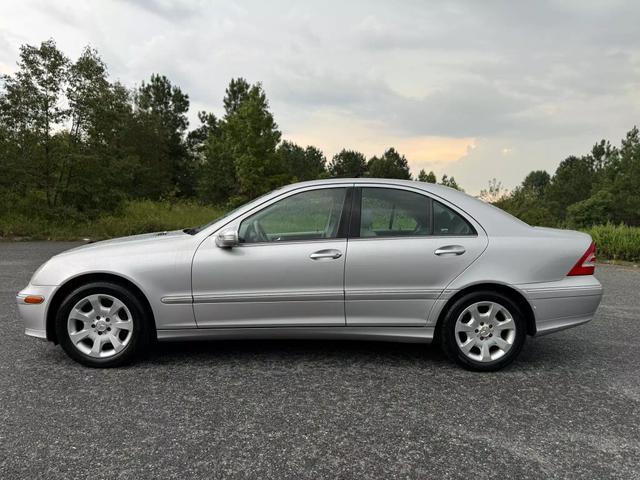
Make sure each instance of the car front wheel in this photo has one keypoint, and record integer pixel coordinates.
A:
(483, 331)
(102, 325)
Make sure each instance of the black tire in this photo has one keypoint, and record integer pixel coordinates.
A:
(447, 332)
(140, 332)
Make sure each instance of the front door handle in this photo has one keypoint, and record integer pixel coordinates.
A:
(329, 253)
(450, 250)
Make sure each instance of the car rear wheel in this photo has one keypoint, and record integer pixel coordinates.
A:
(483, 331)
(102, 325)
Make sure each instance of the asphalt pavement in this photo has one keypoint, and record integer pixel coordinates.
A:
(568, 408)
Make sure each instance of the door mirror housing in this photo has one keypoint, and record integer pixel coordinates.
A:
(227, 239)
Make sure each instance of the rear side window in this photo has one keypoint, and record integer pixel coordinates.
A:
(448, 222)
(387, 212)
(391, 212)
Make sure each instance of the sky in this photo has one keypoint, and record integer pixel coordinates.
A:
(477, 90)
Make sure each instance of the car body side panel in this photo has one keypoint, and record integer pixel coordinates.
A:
(34, 315)
(533, 258)
(160, 266)
(563, 304)
(388, 334)
(395, 281)
(535, 265)
(269, 284)
(275, 284)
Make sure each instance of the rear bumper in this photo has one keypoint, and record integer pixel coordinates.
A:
(563, 304)
(34, 316)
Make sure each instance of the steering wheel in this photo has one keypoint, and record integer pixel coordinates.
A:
(261, 235)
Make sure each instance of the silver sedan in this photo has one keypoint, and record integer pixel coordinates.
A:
(341, 259)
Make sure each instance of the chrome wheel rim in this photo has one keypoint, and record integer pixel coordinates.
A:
(485, 331)
(100, 326)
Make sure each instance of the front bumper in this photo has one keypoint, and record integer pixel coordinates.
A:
(35, 315)
(563, 304)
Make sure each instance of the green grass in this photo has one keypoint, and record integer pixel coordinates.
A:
(616, 242)
(135, 217)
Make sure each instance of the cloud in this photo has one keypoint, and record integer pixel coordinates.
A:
(450, 84)
(174, 10)
(460, 109)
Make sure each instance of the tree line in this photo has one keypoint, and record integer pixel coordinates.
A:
(74, 142)
(598, 188)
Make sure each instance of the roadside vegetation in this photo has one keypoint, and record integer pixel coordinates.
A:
(616, 242)
(135, 216)
(83, 156)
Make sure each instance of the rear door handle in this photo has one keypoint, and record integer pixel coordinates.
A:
(329, 253)
(450, 250)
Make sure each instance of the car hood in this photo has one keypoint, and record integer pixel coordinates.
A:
(144, 238)
(112, 255)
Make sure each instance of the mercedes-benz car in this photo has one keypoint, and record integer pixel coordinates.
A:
(369, 259)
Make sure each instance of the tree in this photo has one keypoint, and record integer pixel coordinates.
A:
(196, 138)
(348, 163)
(571, 183)
(494, 193)
(86, 91)
(100, 113)
(603, 155)
(427, 177)
(32, 110)
(235, 94)
(390, 165)
(301, 164)
(241, 160)
(161, 110)
(595, 210)
(536, 183)
(218, 181)
(622, 180)
(450, 182)
(254, 136)
(65, 134)
(315, 165)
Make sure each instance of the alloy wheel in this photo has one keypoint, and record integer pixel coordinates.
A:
(100, 326)
(485, 331)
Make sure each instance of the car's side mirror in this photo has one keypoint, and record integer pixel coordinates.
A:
(227, 239)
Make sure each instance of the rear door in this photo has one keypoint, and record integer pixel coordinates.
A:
(404, 249)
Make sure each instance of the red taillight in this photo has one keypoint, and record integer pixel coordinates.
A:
(587, 263)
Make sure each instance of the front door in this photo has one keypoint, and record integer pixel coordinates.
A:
(404, 249)
(288, 269)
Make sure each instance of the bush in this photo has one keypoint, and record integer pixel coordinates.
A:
(134, 217)
(616, 242)
(591, 211)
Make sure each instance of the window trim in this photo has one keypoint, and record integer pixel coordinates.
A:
(354, 226)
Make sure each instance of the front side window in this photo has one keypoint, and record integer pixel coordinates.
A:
(387, 212)
(310, 215)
